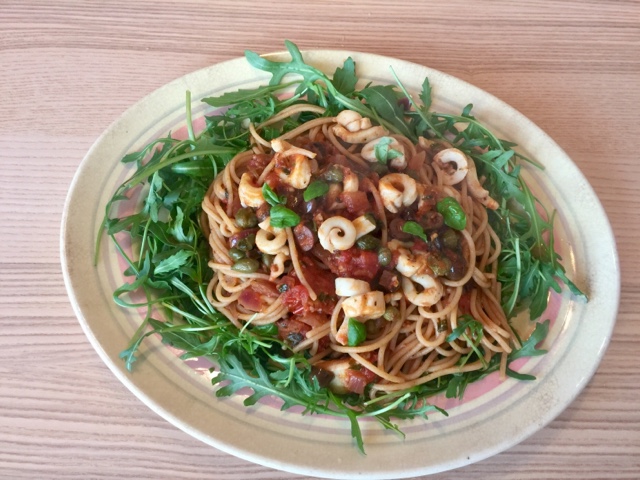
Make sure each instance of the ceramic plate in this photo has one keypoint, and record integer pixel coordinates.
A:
(494, 415)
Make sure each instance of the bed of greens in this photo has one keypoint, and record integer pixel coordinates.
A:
(167, 266)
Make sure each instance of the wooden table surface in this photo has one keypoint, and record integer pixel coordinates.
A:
(68, 69)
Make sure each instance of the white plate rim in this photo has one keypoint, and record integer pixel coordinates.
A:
(349, 467)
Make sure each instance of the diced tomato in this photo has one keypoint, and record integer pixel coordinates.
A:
(323, 343)
(235, 206)
(313, 319)
(255, 297)
(272, 179)
(286, 282)
(292, 331)
(420, 245)
(356, 202)
(258, 163)
(367, 183)
(338, 159)
(356, 380)
(250, 299)
(322, 281)
(265, 288)
(464, 304)
(416, 162)
(390, 282)
(355, 263)
(296, 299)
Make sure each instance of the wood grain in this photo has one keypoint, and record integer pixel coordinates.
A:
(68, 69)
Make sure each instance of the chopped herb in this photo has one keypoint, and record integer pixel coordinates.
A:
(452, 213)
(383, 152)
(356, 333)
(316, 189)
(282, 217)
(270, 196)
(414, 228)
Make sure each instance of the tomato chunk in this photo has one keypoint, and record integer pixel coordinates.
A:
(356, 380)
(322, 281)
(292, 331)
(356, 202)
(296, 299)
(355, 263)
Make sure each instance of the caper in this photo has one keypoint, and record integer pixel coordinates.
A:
(442, 326)
(333, 174)
(367, 242)
(236, 254)
(384, 256)
(391, 313)
(246, 218)
(450, 238)
(267, 259)
(380, 169)
(247, 243)
(439, 263)
(246, 265)
(374, 326)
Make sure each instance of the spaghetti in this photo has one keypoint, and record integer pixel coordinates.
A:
(370, 253)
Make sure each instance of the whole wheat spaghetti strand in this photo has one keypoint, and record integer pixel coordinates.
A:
(296, 264)
(381, 373)
(311, 124)
(313, 335)
(266, 171)
(256, 136)
(238, 161)
(289, 112)
(469, 367)
(228, 270)
(334, 141)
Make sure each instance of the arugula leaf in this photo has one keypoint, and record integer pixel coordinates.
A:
(457, 385)
(153, 202)
(239, 96)
(384, 101)
(519, 376)
(466, 322)
(476, 329)
(528, 348)
(345, 79)
(270, 329)
(425, 95)
(177, 228)
(173, 263)
(280, 69)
